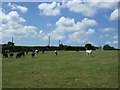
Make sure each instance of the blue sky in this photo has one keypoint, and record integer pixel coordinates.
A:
(74, 23)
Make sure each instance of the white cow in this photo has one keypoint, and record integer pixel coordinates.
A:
(88, 52)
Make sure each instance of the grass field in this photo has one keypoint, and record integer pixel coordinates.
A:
(69, 69)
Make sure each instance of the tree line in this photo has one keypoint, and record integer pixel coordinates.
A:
(10, 46)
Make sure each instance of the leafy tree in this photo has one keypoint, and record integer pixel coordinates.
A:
(88, 46)
(61, 45)
(108, 47)
(10, 44)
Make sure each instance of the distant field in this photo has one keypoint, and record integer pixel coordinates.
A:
(69, 69)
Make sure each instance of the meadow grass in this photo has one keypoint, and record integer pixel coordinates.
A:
(69, 69)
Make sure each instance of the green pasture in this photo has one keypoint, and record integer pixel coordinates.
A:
(69, 69)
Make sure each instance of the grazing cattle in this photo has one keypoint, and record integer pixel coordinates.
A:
(43, 51)
(5, 54)
(33, 54)
(88, 52)
(20, 54)
(11, 54)
(56, 52)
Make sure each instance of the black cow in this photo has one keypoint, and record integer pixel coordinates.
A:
(11, 54)
(43, 51)
(33, 54)
(5, 55)
(20, 54)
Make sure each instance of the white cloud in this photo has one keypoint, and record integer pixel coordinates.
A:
(12, 26)
(53, 36)
(115, 42)
(77, 37)
(103, 5)
(112, 42)
(2, 15)
(104, 36)
(89, 8)
(41, 31)
(13, 16)
(114, 15)
(69, 25)
(20, 31)
(90, 31)
(115, 37)
(108, 42)
(41, 34)
(86, 8)
(89, 22)
(15, 7)
(49, 9)
(64, 24)
(77, 32)
(107, 29)
(79, 7)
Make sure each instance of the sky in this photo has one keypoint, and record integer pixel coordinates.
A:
(73, 23)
